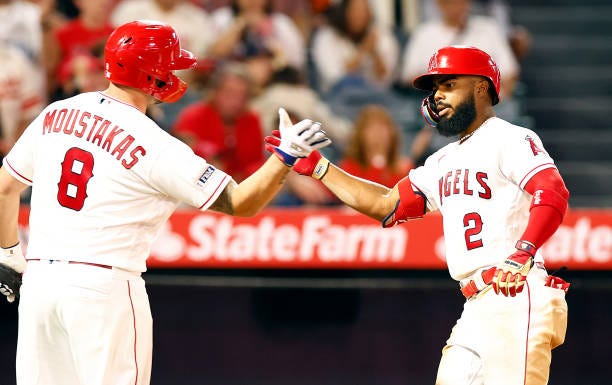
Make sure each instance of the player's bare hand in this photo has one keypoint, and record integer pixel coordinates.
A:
(298, 140)
(510, 276)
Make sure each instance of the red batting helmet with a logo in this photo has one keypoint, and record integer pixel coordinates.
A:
(142, 54)
(460, 60)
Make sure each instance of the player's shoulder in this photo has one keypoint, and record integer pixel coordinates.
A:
(78, 101)
(501, 130)
(65, 103)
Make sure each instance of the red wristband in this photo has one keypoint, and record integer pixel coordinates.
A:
(526, 246)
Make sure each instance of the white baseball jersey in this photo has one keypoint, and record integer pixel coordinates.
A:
(478, 187)
(104, 179)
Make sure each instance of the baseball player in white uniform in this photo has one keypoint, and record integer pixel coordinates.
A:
(104, 179)
(501, 197)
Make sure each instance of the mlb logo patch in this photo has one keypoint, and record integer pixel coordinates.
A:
(207, 174)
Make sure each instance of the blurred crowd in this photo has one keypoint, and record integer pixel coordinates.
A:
(345, 63)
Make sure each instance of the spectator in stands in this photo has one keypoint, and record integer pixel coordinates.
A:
(288, 89)
(353, 51)
(373, 152)
(192, 23)
(458, 26)
(51, 19)
(76, 52)
(518, 36)
(82, 73)
(165, 114)
(20, 99)
(21, 27)
(222, 128)
(249, 31)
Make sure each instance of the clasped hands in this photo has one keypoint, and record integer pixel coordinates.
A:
(297, 145)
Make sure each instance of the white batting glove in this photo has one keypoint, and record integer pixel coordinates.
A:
(300, 139)
(13, 258)
(12, 265)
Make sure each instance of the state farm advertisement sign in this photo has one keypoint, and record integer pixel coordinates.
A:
(341, 238)
(286, 238)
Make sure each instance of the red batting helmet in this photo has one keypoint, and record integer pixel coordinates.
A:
(460, 60)
(142, 54)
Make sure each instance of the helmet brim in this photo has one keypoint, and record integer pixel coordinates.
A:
(185, 60)
(424, 82)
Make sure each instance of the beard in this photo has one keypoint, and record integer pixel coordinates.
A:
(464, 114)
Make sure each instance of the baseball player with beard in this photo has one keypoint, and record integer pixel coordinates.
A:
(501, 197)
(104, 179)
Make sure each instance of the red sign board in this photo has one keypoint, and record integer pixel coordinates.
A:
(342, 238)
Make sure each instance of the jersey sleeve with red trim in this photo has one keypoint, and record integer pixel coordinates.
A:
(522, 155)
(181, 174)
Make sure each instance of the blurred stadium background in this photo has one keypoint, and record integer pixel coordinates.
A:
(233, 324)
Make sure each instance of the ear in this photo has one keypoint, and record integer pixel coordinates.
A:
(482, 88)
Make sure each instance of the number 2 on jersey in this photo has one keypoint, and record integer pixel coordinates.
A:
(473, 223)
(77, 169)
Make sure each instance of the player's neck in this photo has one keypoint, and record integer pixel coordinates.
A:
(476, 124)
(129, 96)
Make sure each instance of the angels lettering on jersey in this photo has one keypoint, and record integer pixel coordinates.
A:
(456, 182)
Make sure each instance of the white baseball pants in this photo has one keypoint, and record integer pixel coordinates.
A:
(506, 340)
(83, 325)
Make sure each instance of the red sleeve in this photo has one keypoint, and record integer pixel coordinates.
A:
(545, 219)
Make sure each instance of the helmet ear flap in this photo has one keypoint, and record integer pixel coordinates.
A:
(171, 91)
(430, 111)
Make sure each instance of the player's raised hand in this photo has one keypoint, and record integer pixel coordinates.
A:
(298, 140)
(510, 276)
(314, 165)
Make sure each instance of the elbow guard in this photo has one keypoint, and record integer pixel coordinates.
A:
(411, 205)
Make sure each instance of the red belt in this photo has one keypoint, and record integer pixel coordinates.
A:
(474, 286)
(72, 262)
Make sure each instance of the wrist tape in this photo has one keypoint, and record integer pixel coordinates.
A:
(526, 246)
(321, 168)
